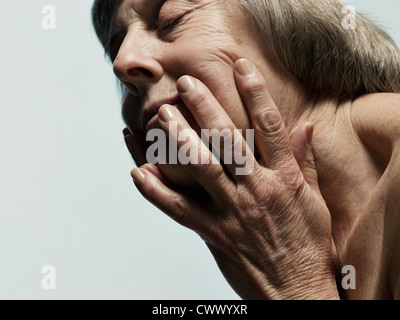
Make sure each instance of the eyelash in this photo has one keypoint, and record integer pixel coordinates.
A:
(168, 24)
(171, 23)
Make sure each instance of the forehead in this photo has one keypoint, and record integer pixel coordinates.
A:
(138, 6)
(127, 9)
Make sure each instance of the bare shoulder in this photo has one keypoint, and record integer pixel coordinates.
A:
(378, 113)
(376, 119)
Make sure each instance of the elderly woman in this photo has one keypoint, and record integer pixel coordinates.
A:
(323, 189)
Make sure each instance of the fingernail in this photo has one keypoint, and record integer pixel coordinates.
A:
(185, 84)
(126, 132)
(166, 113)
(138, 176)
(244, 67)
(310, 133)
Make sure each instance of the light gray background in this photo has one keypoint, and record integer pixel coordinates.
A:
(66, 196)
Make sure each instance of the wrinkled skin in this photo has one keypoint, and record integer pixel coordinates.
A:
(269, 230)
(280, 231)
(208, 46)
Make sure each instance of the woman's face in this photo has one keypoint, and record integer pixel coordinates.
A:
(156, 42)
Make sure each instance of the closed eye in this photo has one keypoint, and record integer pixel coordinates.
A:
(170, 13)
(168, 24)
(171, 23)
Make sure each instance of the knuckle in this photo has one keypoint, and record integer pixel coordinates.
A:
(178, 209)
(269, 121)
(254, 86)
(292, 177)
(210, 168)
(261, 186)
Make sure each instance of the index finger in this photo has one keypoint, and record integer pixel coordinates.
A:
(271, 136)
(235, 152)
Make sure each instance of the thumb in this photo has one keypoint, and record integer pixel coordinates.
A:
(303, 152)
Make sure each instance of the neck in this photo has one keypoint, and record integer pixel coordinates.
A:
(340, 157)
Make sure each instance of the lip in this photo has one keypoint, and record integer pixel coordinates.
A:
(150, 113)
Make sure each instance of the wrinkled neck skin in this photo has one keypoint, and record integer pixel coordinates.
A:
(346, 177)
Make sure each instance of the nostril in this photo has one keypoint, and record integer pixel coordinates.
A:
(140, 71)
(146, 72)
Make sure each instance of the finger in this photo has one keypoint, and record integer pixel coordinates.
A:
(135, 147)
(300, 144)
(303, 151)
(177, 206)
(135, 136)
(191, 151)
(271, 136)
(227, 141)
(158, 174)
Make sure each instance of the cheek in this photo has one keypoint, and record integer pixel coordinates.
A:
(220, 80)
(200, 45)
(212, 62)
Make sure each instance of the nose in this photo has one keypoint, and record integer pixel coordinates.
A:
(137, 63)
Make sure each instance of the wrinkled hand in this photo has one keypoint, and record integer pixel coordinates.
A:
(270, 230)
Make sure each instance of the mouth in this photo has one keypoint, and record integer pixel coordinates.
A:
(150, 114)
